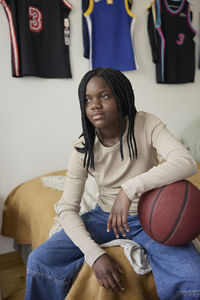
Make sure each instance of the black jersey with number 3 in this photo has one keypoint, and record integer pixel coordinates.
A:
(171, 35)
(39, 31)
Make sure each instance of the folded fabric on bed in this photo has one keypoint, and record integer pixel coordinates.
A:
(137, 287)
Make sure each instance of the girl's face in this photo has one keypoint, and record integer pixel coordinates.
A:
(100, 105)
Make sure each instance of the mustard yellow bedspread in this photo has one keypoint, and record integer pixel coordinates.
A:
(137, 287)
(29, 211)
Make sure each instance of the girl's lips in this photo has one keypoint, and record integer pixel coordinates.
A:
(97, 116)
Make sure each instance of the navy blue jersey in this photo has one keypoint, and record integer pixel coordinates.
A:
(172, 41)
(108, 38)
(39, 31)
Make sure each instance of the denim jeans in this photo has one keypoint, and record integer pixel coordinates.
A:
(53, 266)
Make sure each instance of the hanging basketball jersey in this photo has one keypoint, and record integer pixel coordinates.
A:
(110, 25)
(39, 31)
(171, 36)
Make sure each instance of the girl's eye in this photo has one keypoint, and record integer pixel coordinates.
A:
(87, 100)
(104, 96)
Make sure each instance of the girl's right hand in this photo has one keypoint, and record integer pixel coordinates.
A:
(107, 272)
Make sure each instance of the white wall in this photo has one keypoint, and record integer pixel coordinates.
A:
(39, 118)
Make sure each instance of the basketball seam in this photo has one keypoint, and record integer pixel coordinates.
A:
(151, 216)
(180, 215)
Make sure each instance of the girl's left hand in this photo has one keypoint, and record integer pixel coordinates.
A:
(119, 214)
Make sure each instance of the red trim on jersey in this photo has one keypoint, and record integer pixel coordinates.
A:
(67, 3)
(13, 37)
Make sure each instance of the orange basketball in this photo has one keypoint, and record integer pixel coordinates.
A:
(171, 214)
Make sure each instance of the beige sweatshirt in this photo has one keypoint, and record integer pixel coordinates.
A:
(111, 173)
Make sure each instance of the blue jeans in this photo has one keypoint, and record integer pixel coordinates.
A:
(53, 266)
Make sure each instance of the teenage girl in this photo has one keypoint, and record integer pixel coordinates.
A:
(119, 148)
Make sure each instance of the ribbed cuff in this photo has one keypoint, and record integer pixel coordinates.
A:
(131, 188)
(92, 256)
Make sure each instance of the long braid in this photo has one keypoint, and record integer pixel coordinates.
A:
(124, 96)
(88, 128)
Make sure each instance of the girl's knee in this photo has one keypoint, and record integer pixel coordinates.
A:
(37, 257)
(32, 259)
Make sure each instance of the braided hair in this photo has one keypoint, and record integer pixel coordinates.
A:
(124, 96)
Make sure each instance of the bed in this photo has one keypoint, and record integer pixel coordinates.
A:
(29, 218)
